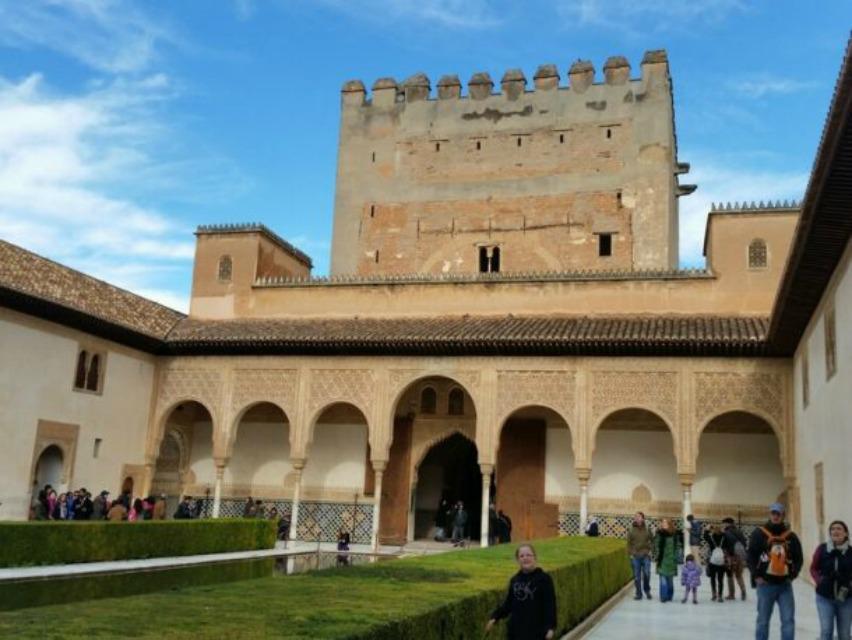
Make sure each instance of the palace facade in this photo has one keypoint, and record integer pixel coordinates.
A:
(505, 322)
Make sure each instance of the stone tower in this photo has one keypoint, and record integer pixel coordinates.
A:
(552, 178)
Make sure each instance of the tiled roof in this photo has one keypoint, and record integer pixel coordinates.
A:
(474, 335)
(28, 280)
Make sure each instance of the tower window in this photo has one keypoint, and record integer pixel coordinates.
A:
(89, 372)
(605, 244)
(757, 254)
(618, 198)
(608, 133)
(561, 138)
(455, 404)
(377, 256)
(374, 156)
(479, 145)
(226, 267)
(437, 146)
(428, 400)
(519, 141)
(489, 259)
(372, 210)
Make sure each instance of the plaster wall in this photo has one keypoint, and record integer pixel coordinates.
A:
(201, 463)
(36, 383)
(261, 458)
(623, 460)
(824, 426)
(337, 459)
(560, 479)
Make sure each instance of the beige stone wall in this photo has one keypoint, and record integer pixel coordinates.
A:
(824, 425)
(39, 407)
(422, 182)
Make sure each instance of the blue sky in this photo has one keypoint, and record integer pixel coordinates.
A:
(124, 125)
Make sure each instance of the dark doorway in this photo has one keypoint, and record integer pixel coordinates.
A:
(449, 471)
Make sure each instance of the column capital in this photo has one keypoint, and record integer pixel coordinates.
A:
(686, 479)
(298, 463)
(379, 465)
(583, 474)
(486, 469)
(220, 463)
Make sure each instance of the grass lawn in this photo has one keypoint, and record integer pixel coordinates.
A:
(409, 598)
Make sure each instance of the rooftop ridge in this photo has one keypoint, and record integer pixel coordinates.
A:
(256, 227)
(769, 205)
(516, 276)
(581, 74)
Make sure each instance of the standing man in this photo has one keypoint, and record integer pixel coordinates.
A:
(694, 537)
(639, 550)
(459, 523)
(774, 560)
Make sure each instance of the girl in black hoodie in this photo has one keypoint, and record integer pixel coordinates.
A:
(530, 601)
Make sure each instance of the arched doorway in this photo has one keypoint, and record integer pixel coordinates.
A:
(738, 471)
(633, 469)
(190, 424)
(49, 468)
(336, 467)
(535, 472)
(425, 412)
(448, 473)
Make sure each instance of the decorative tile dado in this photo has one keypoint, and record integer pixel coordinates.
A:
(270, 385)
(653, 390)
(719, 392)
(554, 389)
(356, 386)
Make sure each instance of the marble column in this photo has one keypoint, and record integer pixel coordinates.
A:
(686, 481)
(486, 470)
(583, 476)
(298, 465)
(217, 488)
(379, 470)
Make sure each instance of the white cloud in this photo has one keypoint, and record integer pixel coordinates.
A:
(456, 14)
(735, 181)
(60, 159)
(762, 85)
(654, 15)
(108, 35)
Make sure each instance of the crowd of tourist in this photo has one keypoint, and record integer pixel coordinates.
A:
(80, 505)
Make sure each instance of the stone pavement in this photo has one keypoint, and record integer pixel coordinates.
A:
(732, 620)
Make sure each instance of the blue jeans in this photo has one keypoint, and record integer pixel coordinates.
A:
(767, 596)
(832, 612)
(666, 588)
(641, 574)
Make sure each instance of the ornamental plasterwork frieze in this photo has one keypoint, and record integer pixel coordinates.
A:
(268, 385)
(356, 386)
(653, 390)
(554, 389)
(203, 385)
(719, 392)
(400, 379)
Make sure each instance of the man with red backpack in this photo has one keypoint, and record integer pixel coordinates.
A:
(775, 559)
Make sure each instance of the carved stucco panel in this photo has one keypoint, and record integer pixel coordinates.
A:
(268, 385)
(554, 389)
(653, 390)
(719, 392)
(204, 385)
(356, 386)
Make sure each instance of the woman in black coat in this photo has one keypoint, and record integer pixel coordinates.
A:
(530, 602)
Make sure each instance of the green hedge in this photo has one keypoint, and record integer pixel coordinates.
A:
(38, 593)
(435, 597)
(40, 543)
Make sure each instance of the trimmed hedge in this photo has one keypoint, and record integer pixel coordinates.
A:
(435, 597)
(44, 543)
(38, 593)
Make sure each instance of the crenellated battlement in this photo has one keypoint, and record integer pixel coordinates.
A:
(581, 75)
(737, 207)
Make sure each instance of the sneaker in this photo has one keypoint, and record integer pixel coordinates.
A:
(695, 601)
(649, 596)
(744, 595)
(637, 597)
(683, 601)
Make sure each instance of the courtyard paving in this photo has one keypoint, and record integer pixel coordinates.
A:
(734, 619)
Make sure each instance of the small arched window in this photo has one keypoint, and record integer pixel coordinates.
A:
(80, 375)
(455, 405)
(428, 400)
(757, 254)
(93, 376)
(225, 269)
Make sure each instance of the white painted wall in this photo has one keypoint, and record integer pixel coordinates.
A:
(201, 454)
(261, 455)
(37, 368)
(560, 479)
(738, 468)
(824, 427)
(337, 457)
(624, 459)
